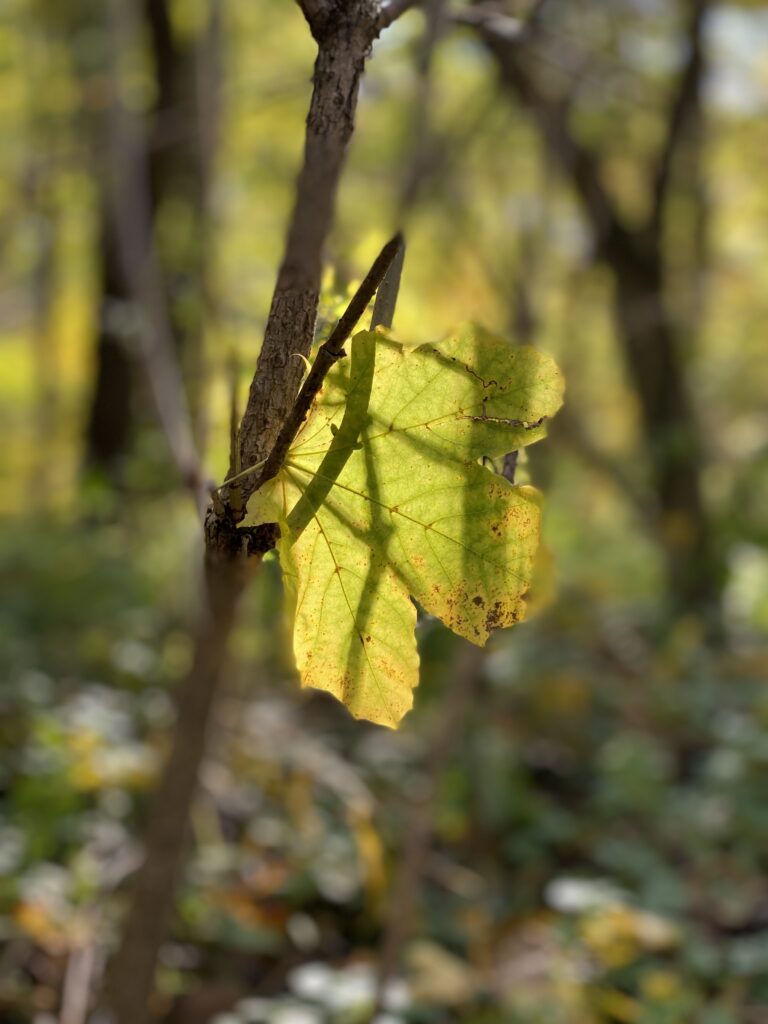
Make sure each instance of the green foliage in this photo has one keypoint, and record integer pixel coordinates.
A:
(383, 497)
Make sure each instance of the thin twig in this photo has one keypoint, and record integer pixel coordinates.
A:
(235, 497)
(330, 352)
(77, 984)
(386, 296)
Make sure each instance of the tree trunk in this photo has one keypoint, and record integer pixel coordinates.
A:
(177, 155)
(180, 154)
(651, 346)
(131, 975)
(111, 420)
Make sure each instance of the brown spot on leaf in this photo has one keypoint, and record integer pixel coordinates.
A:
(495, 617)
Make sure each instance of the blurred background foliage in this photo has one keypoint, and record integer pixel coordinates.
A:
(587, 794)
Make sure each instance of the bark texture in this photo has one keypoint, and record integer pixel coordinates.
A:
(344, 33)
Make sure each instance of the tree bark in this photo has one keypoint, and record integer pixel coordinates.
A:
(344, 41)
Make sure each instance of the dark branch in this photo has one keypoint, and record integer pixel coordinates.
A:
(683, 110)
(344, 43)
(386, 295)
(329, 353)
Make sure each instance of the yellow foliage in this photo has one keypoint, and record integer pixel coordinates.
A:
(659, 986)
(618, 934)
(55, 929)
(370, 850)
(618, 1006)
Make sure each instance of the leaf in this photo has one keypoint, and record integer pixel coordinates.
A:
(383, 496)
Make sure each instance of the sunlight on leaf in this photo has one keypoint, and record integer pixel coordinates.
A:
(383, 497)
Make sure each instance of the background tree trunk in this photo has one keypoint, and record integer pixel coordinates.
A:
(178, 156)
(652, 348)
(110, 424)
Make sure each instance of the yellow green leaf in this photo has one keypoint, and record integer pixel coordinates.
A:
(383, 496)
